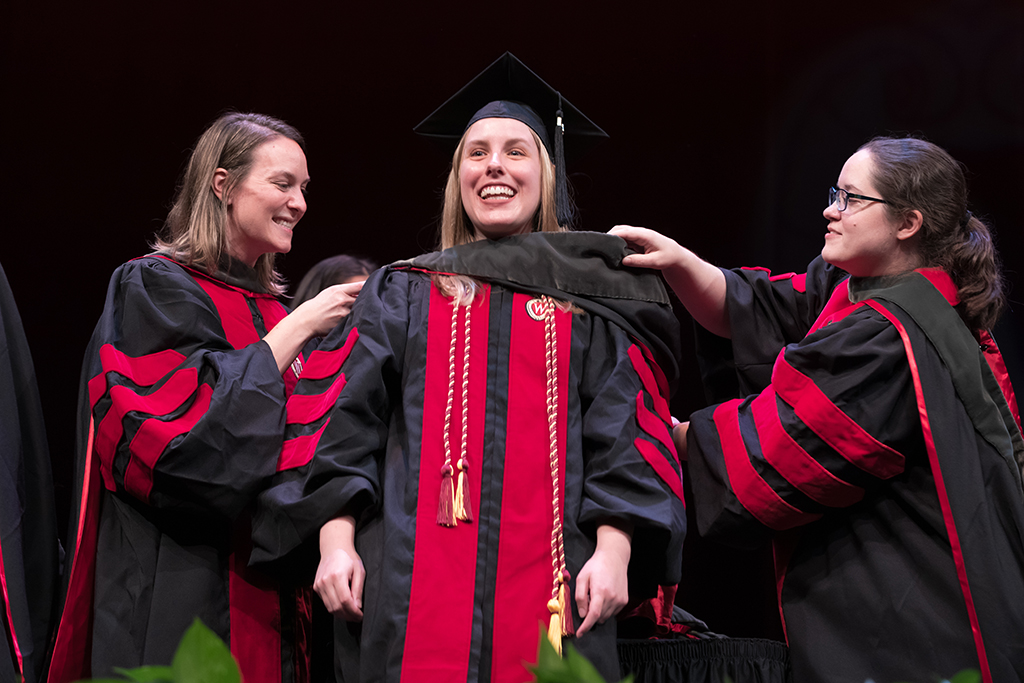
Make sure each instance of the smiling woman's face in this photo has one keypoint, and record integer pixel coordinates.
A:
(862, 240)
(263, 209)
(500, 177)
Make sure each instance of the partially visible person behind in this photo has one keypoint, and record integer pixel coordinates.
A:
(181, 420)
(29, 546)
(336, 270)
(877, 440)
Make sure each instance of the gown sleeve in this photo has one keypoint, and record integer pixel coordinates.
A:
(631, 469)
(180, 419)
(340, 412)
(766, 312)
(835, 420)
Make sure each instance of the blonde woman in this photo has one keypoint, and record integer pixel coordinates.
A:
(486, 443)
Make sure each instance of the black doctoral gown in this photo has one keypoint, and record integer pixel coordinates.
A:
(559, 414)
(880, 451)
(29, 549)
(181, 420)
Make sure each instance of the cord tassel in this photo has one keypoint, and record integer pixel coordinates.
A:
(446, 501)
(568, 629)
(463, 505)
(555, 626)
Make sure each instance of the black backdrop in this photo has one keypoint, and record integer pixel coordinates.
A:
(728, 122)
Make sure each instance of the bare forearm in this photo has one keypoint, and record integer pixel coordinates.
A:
(340, 532)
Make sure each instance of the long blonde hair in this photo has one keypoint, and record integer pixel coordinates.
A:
(194, 231)
(456, 228)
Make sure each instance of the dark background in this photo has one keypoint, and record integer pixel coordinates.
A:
(728, 123)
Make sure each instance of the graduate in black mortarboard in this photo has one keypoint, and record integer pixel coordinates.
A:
(485, 446)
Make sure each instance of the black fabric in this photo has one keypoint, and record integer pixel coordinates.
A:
(367, 462)
(28, 521)
(975, 384)
(718, 660)
(509, 89)
(582, 267)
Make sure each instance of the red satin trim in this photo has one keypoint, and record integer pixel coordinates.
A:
(72, 649)
(255, 610)
(444, 567)
(753, 492)
(836, 308)
(12, 637)
(299, 451)
(672, 477)
(306, 408)
(795, 464)
(832, 425)
(798, 280)
(233, 310)
(303, 628)
(995, 362)
(941, 280)
(524, 573)
(169, 397)
(152, 439)
(651, 386)
(654, 426)
(323, 364)
(144, 371)
(659, 374)
(940, 487)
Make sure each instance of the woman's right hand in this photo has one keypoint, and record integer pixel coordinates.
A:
(314, 318)
(329, 307)
(340, 575)
(339, 583)
(654, 250)
(699, 285)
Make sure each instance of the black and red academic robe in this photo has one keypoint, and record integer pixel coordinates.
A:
(29, 549)
(880, 454)
(181, 419)
(366, 435)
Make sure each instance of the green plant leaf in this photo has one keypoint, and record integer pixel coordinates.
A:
(202, 657)
(147, 674)
(573, 668)
(966, 676)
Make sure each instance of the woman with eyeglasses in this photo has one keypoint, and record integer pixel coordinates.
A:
(873, 436)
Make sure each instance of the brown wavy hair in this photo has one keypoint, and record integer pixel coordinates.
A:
(914, 174)
(194, 231)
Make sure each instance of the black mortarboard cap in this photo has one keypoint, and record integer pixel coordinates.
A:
(509, 89)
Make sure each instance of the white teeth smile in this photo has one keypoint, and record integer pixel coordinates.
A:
(284, 223)
(496, 191)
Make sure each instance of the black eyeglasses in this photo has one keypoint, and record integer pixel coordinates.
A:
(841, 198)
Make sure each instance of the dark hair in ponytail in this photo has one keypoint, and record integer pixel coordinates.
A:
(914, 174)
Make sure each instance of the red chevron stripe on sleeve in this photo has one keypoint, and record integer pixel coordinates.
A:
(795, 464)
(752, 491)
(829, 422)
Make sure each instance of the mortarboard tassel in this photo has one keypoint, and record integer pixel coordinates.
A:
(563, 207)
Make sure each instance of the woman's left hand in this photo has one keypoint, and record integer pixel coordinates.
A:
(602, 589)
